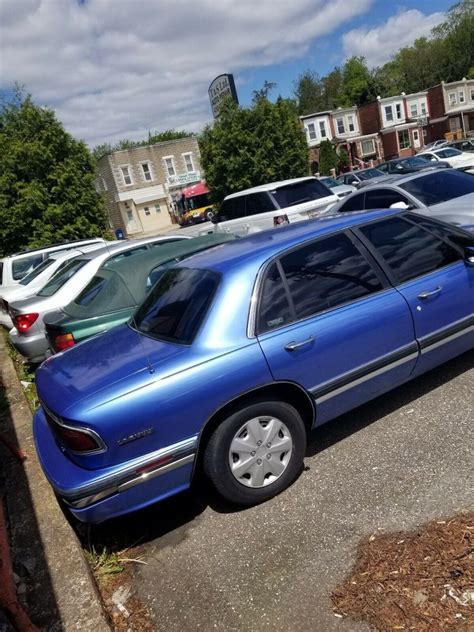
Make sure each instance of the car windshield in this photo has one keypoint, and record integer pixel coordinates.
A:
(177, 305)
(412, 161)
(36, 272)
(67, 270)
(367, 174)
(330, 182)
(436, 187)
(449, 152)
(300, 192)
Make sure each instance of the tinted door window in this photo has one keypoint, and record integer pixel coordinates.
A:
(274, 310)
(439, 186)
(232, 209)
(456, 238)
(300, 192)
(354, 203)
(327, 273)
(408, 250)
(23, 266)
(259, 203)
(62, 276)
(382, 198)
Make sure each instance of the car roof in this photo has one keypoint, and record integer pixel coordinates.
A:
(122, 246)
(259, 247)
(269, 187)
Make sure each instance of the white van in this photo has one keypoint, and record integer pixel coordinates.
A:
(15, 267)
(274, 204)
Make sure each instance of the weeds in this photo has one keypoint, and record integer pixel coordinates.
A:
(25, 372)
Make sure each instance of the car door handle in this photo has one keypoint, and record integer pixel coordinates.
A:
(292, 346)
(423, 295)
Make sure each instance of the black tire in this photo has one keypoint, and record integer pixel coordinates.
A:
(217, 455)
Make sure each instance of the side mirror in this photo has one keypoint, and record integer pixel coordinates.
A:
(401, 205)
(469, 255)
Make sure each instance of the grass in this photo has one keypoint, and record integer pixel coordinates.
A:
(104, 563)
(25, 372)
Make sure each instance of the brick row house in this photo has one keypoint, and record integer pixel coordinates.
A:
(395, 126)
(140, 185)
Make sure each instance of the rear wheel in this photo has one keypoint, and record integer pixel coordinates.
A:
(256, 452)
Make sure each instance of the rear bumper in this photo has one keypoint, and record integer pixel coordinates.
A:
(34, 348)
(98, 495)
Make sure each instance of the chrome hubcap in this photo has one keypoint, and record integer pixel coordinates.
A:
(260, 451)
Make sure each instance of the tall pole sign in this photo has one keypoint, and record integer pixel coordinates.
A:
(221, 87)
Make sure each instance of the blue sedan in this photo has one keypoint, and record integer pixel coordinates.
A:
(237, 353)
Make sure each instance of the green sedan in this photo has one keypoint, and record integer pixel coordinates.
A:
(118, 287)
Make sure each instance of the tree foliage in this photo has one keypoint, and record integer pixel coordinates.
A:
(447, 55)
(250, 146)
(47, 179)
(328, 158)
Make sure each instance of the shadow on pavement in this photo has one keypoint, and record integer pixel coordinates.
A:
(170, 519)
(26, 549)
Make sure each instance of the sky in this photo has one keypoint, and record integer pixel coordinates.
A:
(117, 69)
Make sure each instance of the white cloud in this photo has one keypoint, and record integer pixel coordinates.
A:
(117, 68)
(378, 45)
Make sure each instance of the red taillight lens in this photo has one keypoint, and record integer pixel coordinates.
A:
(76, 440)
(64, 341)
(24, 321)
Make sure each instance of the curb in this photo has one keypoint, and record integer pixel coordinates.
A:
(58, 590)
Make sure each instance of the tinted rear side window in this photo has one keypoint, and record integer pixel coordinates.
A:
(274, 310)
(36, 272)
(327, 273)
(408, 250)
(354, 203)
(382, 198)
(62, 276)
(232, 208)
(300, 192)
(176, 306)
(439, 186)
(259, 203)
(25, 265)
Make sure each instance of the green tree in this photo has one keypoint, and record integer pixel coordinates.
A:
(47, 179)
(250, 146)
(308, 91)
(455, 37)
(332, 89)
(328, 158)
(342, 158)
(356, 82)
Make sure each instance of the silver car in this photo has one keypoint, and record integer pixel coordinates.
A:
(28, 334)
(446, 194)
(341, 190)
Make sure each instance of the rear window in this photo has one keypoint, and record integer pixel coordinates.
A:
(300, 192)
(448, 153)
(367, 174)
(439, 186)
(62, 276)
(25, 265)
(177, 305)
(36, 272)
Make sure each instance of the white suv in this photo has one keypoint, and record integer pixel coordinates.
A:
(274, 204)
(15, 267)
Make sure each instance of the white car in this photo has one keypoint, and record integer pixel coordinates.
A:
(455, 158)
(28, 334)
(35, 280)
(14, 267)
(274, 204)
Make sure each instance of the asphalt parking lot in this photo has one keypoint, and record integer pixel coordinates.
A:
(392, 464)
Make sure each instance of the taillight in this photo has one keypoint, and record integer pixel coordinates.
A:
(24, 321)
(77, 440)
(64, 341)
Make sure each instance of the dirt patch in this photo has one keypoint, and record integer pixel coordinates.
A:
(420, 580)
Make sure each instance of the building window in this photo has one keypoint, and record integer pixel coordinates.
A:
(367, 147)
(423, 107)
(350, 122)
(398, 108)
(462, 96)
(452, 98)
(340, 126)
(188, 161)
(126, 175)
(413, 110)
(403, 139)
(146, 210)
(311, 131)
(472, 95)
(157, 208)
(322, 129)
(169, 163)
(146, 171)
(388, 113)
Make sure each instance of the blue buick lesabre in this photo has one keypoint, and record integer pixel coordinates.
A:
(237, 353)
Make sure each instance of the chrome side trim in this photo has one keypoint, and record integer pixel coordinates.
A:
(129, 470)
(434, 345)
(365, 378)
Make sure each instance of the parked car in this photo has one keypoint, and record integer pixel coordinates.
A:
(116, 290)
(273, 204)
(447, 195)
(341, 190)
(412, 164)
(457, 159)
(436, 144)
(36, 279)
(466, 145)
(14, 267)
(28, 335)
(238, 352)
(357, 177)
